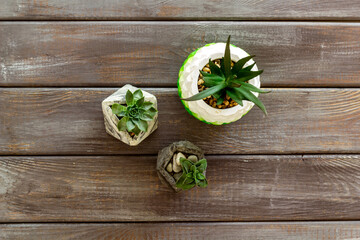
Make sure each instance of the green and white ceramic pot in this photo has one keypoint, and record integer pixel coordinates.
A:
(188, 78)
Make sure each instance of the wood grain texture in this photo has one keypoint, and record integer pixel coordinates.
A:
(178, 231)
(127, 188)
(183, 10)
(50, 121)
(150, 54)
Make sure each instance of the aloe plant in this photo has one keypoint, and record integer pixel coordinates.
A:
(135, 115)
(193, 174)
(232, 81)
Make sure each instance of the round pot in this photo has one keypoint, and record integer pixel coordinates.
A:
(188, 78)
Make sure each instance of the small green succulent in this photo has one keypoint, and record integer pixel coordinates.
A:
(193, 174)
(232, 81)
(135, 115)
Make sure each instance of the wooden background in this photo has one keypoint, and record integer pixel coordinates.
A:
(294, 174)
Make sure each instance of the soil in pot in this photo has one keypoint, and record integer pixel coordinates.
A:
(210, 100)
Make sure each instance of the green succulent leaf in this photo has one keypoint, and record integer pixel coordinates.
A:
(140, 102)
(220, 100)
(218, 95)
(188, 186)
(200, 176)
(212, 80)
(138, 94)
(236, 96)
(122, 124)
(227, 59)
(146, 117)
(152, 112)
(141, 124)
(245, 76)
(215, 69)
(239, 64)
(203, 183)
(192, 174)
(118, 109)
(129, 98)
(201, 165)
(206, 93)
(248, 68)
(147, 105)
(251, 97)
(185, 164)
(130, 126)
(252, 88)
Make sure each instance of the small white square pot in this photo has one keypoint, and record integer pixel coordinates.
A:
(111, 120)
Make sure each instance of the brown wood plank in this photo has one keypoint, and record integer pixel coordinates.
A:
(198, 231)
(180, 10)
(151, 53)
(127, 188)
(48, 121)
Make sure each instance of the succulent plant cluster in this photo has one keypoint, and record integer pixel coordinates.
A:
(135, 115)
(193, 174)
(232, 81)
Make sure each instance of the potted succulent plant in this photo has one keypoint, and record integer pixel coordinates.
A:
(217, 87)
(130, 114)
(182, 166)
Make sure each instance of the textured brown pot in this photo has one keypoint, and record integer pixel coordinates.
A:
(165, 156)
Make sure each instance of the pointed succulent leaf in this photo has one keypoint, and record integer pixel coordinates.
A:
(200, 176)
(130, 126)
(152, 112)
(227, 59)
(248, 68)
(240, 64)
(181, 179)
(140, 102)
(185, 164)
(129, 98)
(236, 96)
(122, 124)
(117, 109)
(218, 94)
(136, 130)
(251, 97)
(146, 117)
(141, 124)
(212, 80)
(138, 94)
(201, 165)
(252, 88)
(203, 183)
(246, 76)
(206, 93)
(220, 100)
(188, 186)
(147, 105)
(215, 69)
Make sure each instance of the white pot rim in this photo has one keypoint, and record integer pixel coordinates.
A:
(188, 78)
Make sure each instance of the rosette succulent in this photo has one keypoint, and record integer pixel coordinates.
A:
(135, 115)
(193, 174)
(231, 81)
